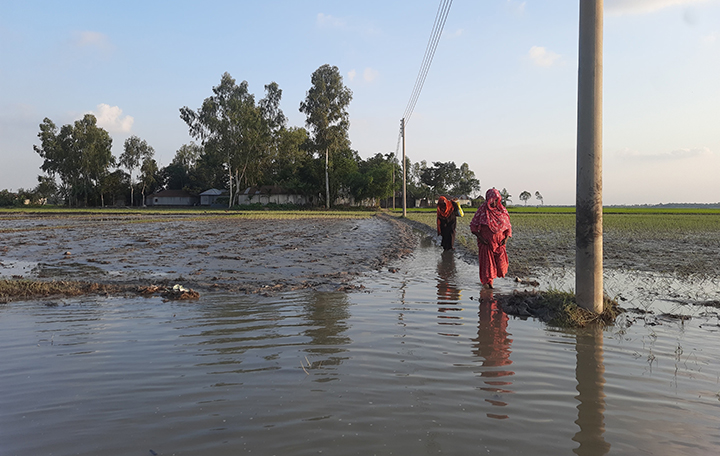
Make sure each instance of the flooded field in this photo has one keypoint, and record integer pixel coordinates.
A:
(418, 363)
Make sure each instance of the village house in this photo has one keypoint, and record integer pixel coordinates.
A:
(171, 198)
(209, 197)
(270, 194)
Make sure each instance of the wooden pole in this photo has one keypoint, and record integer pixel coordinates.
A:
(588, 207)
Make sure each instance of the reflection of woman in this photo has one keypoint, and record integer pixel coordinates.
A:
(446, 222)
(491, 225)
(446, 269)
(493, 344)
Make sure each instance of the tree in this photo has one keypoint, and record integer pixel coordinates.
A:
(117, 184)
(466, 183)
(524, 196)
(288, 158)
(46, 189)
(96, 152)
(374, 178)
(506, 197)
(539, 197)
(7, 198)
(60, 157)
(136, 151)
(149, 176)
(182, 172)
(415, 186)
(232, 129)
(79, 154)
(327, 118)
(446, 178)
(438, 178)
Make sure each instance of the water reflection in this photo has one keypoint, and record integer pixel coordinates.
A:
(448, 293)
(493, 346)
(590, 382)
(239, 335)
(326, 315)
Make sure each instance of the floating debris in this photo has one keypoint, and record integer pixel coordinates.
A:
(532, 283)
(178, 292)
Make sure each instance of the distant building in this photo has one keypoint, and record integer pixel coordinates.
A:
(171, 198)
(209, 197)
(270, 194)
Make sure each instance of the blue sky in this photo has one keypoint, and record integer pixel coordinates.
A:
(500, 95)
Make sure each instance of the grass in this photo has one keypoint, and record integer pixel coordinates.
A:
(24, 289)
(556, 231)
(12, 289)
(139, 216)
(559, 308)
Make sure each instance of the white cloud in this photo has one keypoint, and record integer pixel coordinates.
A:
(542, 57)
(326, 20)
(369, 75)
(677, 154)
(454, 34)
(94, 40)
(111, 119)
(515, 6)
(621, 7)
(352, 74)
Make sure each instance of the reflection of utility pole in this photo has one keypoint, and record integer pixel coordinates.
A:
(402, 129)
(589, 372)
(588, 205)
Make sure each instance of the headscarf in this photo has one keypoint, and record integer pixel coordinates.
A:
(444, 207)
(497, 218)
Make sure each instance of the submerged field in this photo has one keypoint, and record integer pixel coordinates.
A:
(261, 251)
(258, 251)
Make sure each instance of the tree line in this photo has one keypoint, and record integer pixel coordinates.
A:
(241, 143)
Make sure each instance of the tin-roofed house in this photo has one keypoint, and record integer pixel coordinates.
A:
(210, 197)
(171, 198)
(268, 194)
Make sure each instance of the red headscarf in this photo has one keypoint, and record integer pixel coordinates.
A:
(444, 207)
(497, 218)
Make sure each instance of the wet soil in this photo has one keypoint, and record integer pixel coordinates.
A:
(232, 253)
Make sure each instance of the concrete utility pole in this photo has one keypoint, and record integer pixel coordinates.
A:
(402, 129)
(588, 206)
(327, 180)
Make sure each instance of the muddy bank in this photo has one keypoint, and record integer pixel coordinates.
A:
(232, 253)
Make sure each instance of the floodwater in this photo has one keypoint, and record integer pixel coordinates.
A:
(420, 364)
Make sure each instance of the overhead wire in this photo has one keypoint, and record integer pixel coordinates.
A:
(438, 25)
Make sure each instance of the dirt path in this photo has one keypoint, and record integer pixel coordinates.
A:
(240, 254)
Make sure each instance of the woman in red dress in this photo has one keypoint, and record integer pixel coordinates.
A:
(491, 225)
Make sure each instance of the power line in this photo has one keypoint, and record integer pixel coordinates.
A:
(435, 35)
(438, 26)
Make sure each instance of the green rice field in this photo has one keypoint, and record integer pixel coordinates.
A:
(681, 241)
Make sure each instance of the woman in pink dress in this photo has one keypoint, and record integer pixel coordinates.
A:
(491, 225)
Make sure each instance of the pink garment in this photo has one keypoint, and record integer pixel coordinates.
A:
(497, 218)
(493, 226)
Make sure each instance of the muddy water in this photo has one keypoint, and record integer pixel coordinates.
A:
(421, 364)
